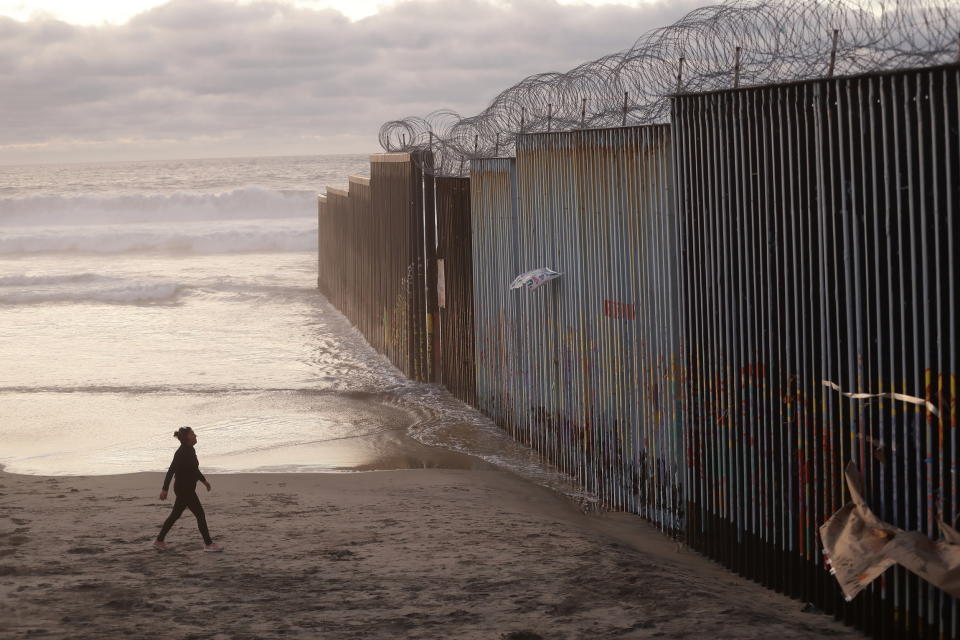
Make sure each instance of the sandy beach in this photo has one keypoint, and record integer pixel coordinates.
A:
(394, 554)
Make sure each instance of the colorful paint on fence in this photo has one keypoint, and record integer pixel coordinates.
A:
(819, 241)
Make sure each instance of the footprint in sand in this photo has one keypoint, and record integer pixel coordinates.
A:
(85, 550)
(126, 603)
(14, 538)
(521, 635)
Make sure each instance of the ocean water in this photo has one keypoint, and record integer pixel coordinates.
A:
(138, 297)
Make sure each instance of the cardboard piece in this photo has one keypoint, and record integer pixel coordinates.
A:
(860, 546)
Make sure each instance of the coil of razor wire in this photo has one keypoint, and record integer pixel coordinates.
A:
(736, 43)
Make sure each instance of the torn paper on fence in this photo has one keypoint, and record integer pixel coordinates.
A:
(533, 279)
(859, 546)
(893, 395)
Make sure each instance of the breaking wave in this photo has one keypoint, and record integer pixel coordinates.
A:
(25, 280)
(134, 293)
(268, 236)
(239, 204)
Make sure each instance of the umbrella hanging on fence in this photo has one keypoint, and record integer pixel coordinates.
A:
(533, 279)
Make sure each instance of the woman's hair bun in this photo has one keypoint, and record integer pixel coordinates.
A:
(176, 434)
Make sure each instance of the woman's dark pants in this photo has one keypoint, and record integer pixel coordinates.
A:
(187, 501)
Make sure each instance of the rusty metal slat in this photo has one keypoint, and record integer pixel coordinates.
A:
(377, 282)
(455, 247)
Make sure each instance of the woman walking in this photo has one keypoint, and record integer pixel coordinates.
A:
(186, 468)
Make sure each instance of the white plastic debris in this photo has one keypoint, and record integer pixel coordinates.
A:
(534, 279)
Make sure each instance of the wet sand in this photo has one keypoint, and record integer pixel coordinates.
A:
(434, 553)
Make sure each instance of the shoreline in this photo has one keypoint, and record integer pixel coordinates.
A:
(418, 553)
(335, 431)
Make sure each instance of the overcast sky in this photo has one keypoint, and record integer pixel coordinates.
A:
(208, 78)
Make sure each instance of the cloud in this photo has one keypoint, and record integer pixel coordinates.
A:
(267, 77)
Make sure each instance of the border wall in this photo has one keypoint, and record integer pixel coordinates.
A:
(819, 249)
(583, 370)
(373, 256)
(730, 282)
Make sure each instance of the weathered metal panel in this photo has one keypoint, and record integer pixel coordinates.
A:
(372, 256)
(333, 234)
(396, 184)
(584, 369)
(596, 205)
(362, 258)
(496, 345)
(818, 235)
(432, 368)
(455, 359)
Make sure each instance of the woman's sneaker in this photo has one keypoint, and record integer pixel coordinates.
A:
(160, 545)
(213, 548)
